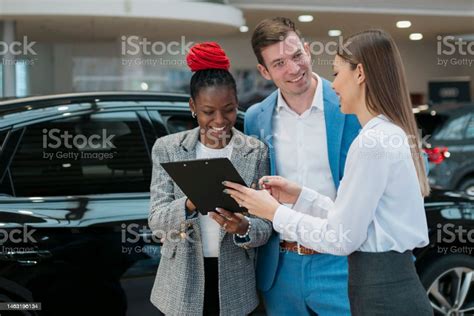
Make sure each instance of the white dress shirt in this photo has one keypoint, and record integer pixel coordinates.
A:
(301, 146)
(210, 229)
(379, 206)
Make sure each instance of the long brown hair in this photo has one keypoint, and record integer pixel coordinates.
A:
(386, 90)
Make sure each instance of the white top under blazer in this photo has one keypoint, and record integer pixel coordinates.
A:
(210, 229)
(300, 142)
(378, 208)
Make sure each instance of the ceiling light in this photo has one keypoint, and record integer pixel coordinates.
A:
(244, 28)
(305, 18)
(334, 32)
(416, 36)
(403, 24)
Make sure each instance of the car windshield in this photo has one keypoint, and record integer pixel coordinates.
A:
(430, 124)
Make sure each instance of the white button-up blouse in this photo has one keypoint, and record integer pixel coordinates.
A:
(378, 207)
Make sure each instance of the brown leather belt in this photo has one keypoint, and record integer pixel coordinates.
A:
(295, 247)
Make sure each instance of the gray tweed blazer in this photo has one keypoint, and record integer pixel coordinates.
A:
(179, 283)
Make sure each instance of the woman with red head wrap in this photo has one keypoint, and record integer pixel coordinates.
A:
(209, 268)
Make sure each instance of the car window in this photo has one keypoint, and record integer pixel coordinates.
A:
(453, 130)
(5, 187)
(3, 135)
(239, 124)
(429, 123)
(88, 154)
(468, 212)
(470, 128)
(180, 122)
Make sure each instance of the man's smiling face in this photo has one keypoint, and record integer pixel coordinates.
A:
(288, 65)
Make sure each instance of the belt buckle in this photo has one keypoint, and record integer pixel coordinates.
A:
(299, 249)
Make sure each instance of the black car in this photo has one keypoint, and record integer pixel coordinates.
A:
(449, 142)
(74, 197)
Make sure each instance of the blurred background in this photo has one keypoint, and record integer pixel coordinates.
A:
(88, 45)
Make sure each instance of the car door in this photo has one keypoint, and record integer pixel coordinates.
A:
(81, 182)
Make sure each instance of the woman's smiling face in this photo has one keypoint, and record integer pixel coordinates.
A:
(346, 85)
(216, 111)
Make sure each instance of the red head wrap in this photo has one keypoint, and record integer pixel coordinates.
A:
(207, 55)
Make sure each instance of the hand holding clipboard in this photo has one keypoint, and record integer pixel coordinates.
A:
(201, 181)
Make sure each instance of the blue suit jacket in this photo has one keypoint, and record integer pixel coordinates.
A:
(341, 130)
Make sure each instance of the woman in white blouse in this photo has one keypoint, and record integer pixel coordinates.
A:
(378, 215)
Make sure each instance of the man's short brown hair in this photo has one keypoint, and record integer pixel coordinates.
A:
(269, 32)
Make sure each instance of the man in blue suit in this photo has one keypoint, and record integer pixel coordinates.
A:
(309, 139)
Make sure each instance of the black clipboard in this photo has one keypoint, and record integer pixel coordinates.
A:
(201, 181)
